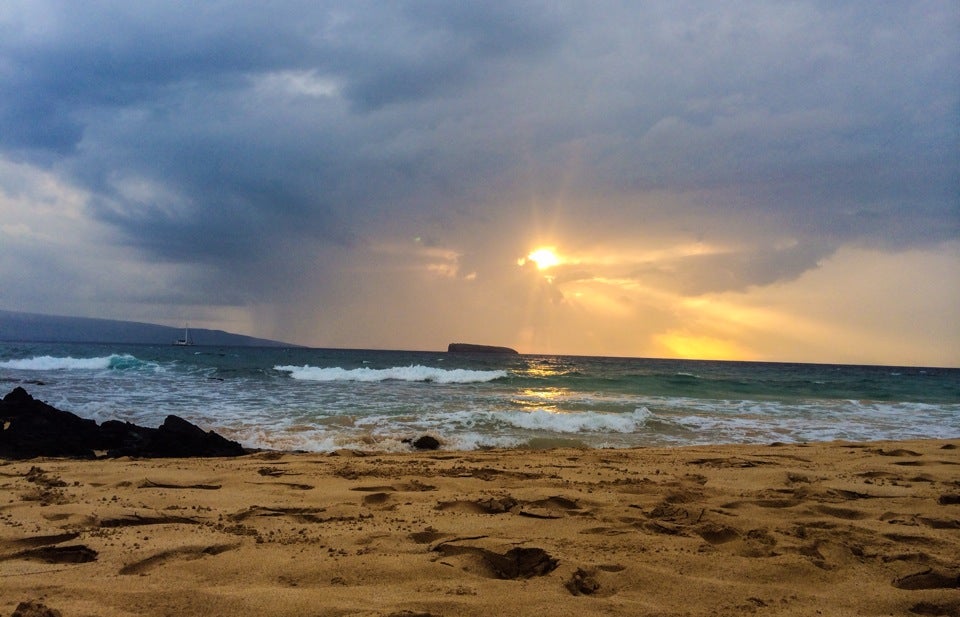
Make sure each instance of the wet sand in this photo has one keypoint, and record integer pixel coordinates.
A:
(829, 529)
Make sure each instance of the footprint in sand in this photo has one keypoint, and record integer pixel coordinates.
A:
(34, 541)
(303, 515)
(551, 508)
(556, 502)
(913, 540)
(187, 552)
(940, 523)
(168, 485)
(489, 505)
(928, 579)
(883, 476)
(606, 531)
(898, 453)
(718, 534)
(730, 463)
(516, 563)
(376, 499)
(137, 520)
(427, 536)
(380, 495)
(275, 472)
(409, 487)
(77, 553)
(294, 485)
(936, 609)
(845, 513)
(754, 543)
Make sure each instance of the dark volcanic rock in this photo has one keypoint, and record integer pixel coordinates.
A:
(32, 428)
(177, 437)
(123, 437)
(426, 443)
(35, 609)
(471, 348)
(582, 583)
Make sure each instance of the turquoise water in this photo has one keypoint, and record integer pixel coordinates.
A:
(321, 399)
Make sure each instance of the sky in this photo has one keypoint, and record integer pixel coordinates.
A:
(774, 181)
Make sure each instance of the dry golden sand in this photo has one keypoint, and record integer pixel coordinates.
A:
(831, 529)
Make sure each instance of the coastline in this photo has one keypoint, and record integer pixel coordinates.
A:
(830, 528)
(323, 400)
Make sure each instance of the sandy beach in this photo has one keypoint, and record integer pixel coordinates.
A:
(821, 529)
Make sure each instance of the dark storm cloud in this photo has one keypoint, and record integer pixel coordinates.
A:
(419, 50)
(225, 134)
(154, 94)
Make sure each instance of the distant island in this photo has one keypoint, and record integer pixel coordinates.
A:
(471, 348)
(38, 328)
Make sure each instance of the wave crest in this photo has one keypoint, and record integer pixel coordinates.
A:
(54, 363)
(395, 373)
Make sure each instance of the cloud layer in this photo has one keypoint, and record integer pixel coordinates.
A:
(309, 168)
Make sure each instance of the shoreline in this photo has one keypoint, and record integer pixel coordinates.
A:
(317, 401)
(837, 528)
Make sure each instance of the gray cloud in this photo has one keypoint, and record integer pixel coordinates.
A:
(246, 139)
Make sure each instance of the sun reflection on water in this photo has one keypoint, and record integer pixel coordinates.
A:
(545, 399)
(543, 368)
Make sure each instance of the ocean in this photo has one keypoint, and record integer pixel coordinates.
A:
(326, 399)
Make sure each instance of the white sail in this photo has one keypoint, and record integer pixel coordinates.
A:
(185, 340)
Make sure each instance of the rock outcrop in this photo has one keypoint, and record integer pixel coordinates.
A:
(471, 348)
(31, 428)
(426, 442)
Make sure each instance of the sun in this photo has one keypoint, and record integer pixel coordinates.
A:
(544, 257)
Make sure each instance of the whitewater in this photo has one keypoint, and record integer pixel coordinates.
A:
(323, 399)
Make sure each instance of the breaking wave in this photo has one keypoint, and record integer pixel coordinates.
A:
(395, 373)
(53, 363)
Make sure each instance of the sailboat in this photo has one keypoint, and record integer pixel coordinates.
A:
(184, 341)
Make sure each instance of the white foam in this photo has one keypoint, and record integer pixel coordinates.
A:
(577, 422)
(51, 363)
(397, 373)
(758, 421)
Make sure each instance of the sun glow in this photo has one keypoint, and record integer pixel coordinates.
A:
(544, 257)
(699, 347)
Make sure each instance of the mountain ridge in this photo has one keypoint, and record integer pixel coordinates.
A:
(24, 327)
